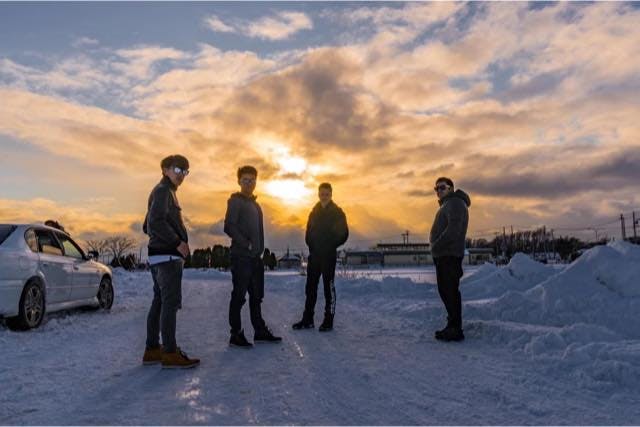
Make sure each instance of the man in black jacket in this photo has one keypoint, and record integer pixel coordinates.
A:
(243, 222)
(168, 248)
(448, 235)
(326, 230)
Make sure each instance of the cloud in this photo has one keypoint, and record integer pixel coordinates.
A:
(512, 103)
(84, 41)
(137, 62)
(279, 26)
(215, 24)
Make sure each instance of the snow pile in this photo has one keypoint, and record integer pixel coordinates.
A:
(585, 315)
(520, 274)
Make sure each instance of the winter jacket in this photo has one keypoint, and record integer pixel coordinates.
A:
(243, 222)
(449, 228)
(326, 229)
(163, 223)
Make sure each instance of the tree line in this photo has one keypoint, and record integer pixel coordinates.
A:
(119, 253)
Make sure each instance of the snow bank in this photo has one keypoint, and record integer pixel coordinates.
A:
(583, 315)
(520, 274)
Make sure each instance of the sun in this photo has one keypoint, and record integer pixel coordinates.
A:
(290, 191)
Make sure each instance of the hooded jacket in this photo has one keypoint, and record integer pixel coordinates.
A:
(163, 223)
(243, 222)
(326, 229)
(449, 229)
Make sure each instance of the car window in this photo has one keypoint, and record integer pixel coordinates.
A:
(47, 243)
(70, 248)
(5, 231)
(31, 239)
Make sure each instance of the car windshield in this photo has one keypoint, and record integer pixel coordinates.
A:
(5, 231)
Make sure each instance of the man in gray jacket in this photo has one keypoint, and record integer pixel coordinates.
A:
(243, 222)
(448, 235)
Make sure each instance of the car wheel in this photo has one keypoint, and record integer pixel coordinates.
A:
(31, 308)
(105, 294)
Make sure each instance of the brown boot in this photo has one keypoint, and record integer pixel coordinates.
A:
(152, 356)
(178, 360)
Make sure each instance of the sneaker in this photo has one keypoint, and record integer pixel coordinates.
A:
(152, 356)
(178, 360)
(327, 323)
(450, 334)
(304, 324)
(238, 340)
(265, 335)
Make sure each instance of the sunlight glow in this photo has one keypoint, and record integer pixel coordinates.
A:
(290, 191)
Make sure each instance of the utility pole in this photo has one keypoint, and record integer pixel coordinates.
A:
(624, 231)
(635, 223)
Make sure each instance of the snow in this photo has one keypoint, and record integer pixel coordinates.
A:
(545, 345)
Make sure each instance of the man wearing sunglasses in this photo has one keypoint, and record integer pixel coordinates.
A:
(168, 248)
(447, 238)
(243, 222)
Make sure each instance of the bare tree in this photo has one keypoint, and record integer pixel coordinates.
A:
(96, 245)
(117, 246)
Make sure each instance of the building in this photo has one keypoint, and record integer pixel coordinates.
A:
(409, 254)
(363, 258)
(290, 261)
(475, 256)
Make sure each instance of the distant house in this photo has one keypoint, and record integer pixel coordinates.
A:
(289, 260)
(475, 256)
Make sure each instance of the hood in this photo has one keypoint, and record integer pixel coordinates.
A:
(318, 206)
(242, 196)
(460, 195)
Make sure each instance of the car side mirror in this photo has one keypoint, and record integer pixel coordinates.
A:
(93, 255)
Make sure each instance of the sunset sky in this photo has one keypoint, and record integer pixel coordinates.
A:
(533, 109)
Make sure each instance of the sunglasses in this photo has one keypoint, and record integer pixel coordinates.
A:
(180, 171)
(440, 187)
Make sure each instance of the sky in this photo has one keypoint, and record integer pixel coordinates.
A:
(531, 108)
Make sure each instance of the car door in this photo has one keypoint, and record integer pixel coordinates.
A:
(86, 277)
(56, 268)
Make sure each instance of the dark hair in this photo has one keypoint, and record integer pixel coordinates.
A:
(54, 224)
(325, 185)
(445, 179)
(247, 169)
(175, 160)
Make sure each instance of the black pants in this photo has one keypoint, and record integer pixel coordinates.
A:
(449, 273)
(167, 300)
(325, 265)
(247, 275)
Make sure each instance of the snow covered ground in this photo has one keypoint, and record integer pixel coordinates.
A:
(545, 345)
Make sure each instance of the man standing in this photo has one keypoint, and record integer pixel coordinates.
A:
(243, 222)
(168, 248)
(447, 238)
(326, 230)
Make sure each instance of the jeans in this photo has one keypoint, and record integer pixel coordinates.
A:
(167, 300)
(247, 275)
(325, 265)
(448, 273)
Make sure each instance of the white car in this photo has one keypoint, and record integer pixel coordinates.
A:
(43, 270)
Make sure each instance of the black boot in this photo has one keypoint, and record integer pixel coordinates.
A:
(238, 340)
(327, 323)
(451, 334)
(265, 335)
(305, 323)
(441, 331)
